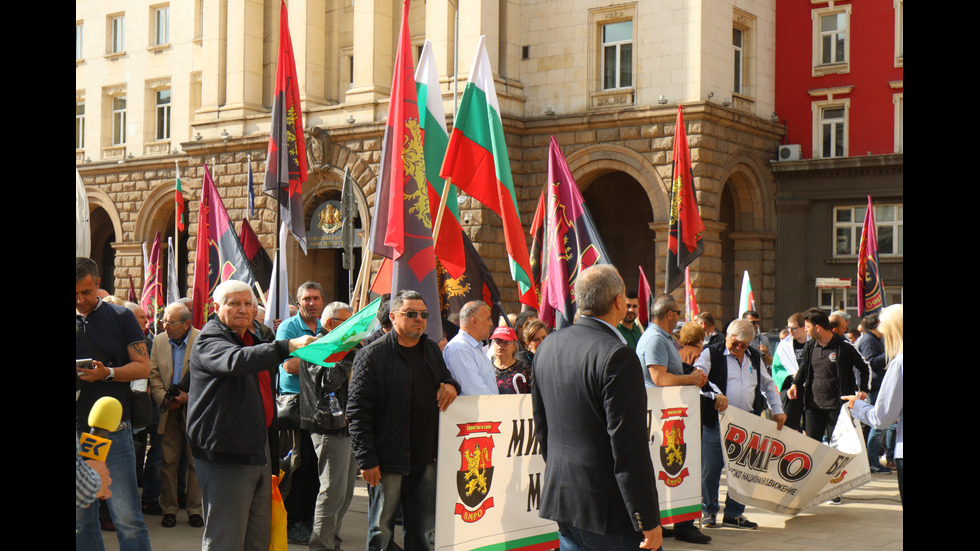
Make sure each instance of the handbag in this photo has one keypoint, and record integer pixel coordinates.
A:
(287, 411)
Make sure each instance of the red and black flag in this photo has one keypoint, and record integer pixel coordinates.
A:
(152, 298)
(565, 242)
(870, 297)
(219, 252)
(285, 164)
(685, 227)
(260, 260)
(401, 229)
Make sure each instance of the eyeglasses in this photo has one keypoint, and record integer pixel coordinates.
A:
(412, 314)
(794, 328)
(165, 322)
(737, 344)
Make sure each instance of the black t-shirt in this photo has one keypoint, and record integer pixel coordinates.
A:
(423, 415)
(826, 390)
(798, 350)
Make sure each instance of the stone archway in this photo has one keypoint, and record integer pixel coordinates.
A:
(158, 213)
(625, 195)
(107, 233)
(747, 235)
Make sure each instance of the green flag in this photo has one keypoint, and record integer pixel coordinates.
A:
(332, 347)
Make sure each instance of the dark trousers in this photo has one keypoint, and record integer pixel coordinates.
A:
(820, 423)
(571, 538)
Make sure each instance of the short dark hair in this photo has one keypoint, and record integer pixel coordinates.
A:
(707, 317)
(631, 294)
(817, 317)
(870, 322)
(747, 313)
(384, 309)
(400, 297)
(85, 267)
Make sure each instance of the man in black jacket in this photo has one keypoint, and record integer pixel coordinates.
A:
(590, 421)
(230, 411)
(398, 386)
(827, 368)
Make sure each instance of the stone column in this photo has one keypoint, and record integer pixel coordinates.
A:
(375, 39)
(308, 29)
(244, 58)
(214, 47)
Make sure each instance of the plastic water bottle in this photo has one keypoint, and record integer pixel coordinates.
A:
(334, 403)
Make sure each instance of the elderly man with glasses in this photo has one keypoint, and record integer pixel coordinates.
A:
(737, 378)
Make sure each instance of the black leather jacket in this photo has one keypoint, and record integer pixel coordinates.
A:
(378, 405)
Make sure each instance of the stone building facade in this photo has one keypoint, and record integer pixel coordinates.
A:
(551, 62)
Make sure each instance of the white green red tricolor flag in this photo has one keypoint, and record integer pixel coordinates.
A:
(746, 299)
(332, 347)
(477, 163)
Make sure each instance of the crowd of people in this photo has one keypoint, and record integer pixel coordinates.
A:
(231, 407)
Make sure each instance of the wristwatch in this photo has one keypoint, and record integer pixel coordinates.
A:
(110, 376)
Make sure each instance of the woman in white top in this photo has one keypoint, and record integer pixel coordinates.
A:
(889, 407)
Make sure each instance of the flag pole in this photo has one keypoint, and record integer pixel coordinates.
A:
(442, 207)
(670, 197)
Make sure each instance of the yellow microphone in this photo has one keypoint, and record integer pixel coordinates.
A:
(104, 418)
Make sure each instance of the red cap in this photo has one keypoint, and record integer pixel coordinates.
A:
(504, 333)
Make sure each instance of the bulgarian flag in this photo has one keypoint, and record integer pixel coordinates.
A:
(179, 200)
(432, 119)
(332, 347)
(477, 162)
(746, 300)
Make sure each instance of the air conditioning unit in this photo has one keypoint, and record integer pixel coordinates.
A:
(792, 152)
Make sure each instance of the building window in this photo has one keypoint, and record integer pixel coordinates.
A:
(833, 131)
(889, 222)
(831, 44)
(617, 55)
(117, 34)
(162, 115)
(79, 42)
(119, 120)
(738, 50)
(79, 125)
(161, 25)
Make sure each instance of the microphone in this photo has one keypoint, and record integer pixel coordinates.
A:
(104, 418)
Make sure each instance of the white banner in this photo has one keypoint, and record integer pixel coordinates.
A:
(489, 470)
(786, 472)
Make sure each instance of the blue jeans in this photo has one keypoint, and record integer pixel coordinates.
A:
(416, 492)
(712, 462)
(124, 504)
(571, 538)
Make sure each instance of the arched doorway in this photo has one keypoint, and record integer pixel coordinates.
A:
(103, 253)
(622, 213)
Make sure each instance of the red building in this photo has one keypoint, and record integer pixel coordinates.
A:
(839, 91)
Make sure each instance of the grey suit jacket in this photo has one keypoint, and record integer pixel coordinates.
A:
(590, 409)
(162, 369)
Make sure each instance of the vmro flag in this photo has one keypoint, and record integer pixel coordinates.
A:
(401, 229)
(152, 299)
(285, 164)
(685, 227)
(870, 297)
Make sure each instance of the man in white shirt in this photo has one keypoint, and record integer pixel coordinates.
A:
(464, 354)
(739, 379)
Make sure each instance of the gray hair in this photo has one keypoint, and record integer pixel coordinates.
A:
(662, 305)
(596, 289)
(132, 306)
(183, 312)
(306, 286)
(232, 286)
(330, 311)
(470, 309)
(742, 330)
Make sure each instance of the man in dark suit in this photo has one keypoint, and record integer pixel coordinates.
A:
(590, 420)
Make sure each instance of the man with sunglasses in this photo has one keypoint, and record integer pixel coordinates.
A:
(736, 378)
(398, 386)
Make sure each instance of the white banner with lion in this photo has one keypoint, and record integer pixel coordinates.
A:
(489, 470)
